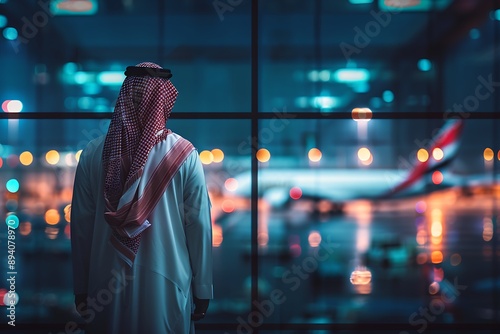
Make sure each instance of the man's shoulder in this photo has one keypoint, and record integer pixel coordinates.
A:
(94, 147)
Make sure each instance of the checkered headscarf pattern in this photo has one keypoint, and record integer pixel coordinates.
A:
(138, 123)
(141, 112)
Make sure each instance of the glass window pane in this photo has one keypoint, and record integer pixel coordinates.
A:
(36, 179)
(352, 216)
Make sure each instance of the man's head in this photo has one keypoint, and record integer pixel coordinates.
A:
(147, 87)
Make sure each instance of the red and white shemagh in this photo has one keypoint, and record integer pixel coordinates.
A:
(137, 125)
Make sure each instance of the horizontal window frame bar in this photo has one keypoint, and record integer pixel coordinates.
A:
(261, 115)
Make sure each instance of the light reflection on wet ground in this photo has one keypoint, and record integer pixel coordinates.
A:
(416, 261)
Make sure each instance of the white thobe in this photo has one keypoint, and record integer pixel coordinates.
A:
(174, 260)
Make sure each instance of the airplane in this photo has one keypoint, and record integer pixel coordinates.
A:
(339, 186)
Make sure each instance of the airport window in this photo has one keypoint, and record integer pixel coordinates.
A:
(351, 150)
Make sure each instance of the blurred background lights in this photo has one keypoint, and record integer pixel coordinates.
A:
(314, 239)
(227, 206)
(420, 206)
(12, 160)
(3, 21)
(25, 228)
(11, 297)
(218, 155)
(388, 96)
(361, 276)
(206, 157)
(424, 65)
(4, 105)
(313, 75)
(351, 75)
(77, 155)
(436, 257)
(67, 213)
(217, 236)
(10, 33)
(324, 75)
(12, 220)
(70, 68)
(496, 14)
(361, 114)
(52, 157)
(52, 217)
(455, 259)
(231, 184)
(325, 102)
(364, 154)
(437, 153)
(314, 155)
(12, 106)
(295, 193)
(110, 78)
(26, 158)
(263, 155)
(433, 288)
(422, 155)
(488, 154)
(474, 33)
(69, 159)
(437, 177)
(360, 2)
(12, 185)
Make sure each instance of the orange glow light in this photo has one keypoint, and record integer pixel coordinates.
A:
(206, 157)
(218, 155)
(67, 213)
(263, 155)
(314, 155)
(361, 276)
(52, 217)
(488, 154)
(422, 155)
(26, 158)
(361, 114)
(437, 177)
(436, 257)
(217, 235)
(77, 155)
(52, 157)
